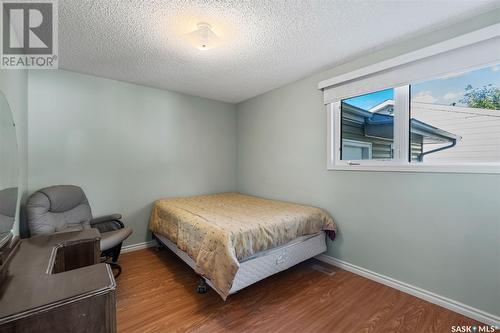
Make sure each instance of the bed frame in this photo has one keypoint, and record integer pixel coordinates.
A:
(261, 265)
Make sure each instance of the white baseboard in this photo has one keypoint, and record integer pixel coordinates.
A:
(468, 311)
(138, 246)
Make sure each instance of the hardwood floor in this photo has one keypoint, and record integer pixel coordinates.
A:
(157, 293)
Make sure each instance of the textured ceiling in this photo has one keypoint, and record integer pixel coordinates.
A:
(266, 43)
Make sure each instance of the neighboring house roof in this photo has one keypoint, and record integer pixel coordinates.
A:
(473, 133)
(387, 105)
(479, 130)
(434, 133)
(379, 123)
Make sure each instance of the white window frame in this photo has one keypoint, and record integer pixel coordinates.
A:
(401, 140)
(467, 58)
(400, 161)
(401, 110)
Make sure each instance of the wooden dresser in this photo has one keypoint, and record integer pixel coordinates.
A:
(56, 284)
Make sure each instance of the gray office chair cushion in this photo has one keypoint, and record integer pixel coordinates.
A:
(59, 208)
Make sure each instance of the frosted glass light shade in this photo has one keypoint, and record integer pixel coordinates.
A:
(203, 38)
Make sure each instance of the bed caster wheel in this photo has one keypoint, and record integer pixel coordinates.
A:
(202, 286)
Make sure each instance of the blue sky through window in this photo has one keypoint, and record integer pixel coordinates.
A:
(450, 89)
(370, 100)
(445, 90)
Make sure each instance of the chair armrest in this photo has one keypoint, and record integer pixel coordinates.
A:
(106, 218)
(107, 223)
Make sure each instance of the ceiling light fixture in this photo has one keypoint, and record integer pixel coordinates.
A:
(203, 38)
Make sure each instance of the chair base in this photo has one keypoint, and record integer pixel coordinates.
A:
(112, 254)
(114, 266)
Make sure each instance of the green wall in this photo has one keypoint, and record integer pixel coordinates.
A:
(127, 145)
(439, 232)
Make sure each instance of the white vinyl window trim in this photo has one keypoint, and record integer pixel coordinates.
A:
(467, 52)
(400, 161)
(400, 144)
(401, 112)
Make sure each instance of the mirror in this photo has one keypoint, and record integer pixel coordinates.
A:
(8, 171)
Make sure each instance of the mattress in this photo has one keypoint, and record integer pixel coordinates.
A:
(220, 231)
(265, 263)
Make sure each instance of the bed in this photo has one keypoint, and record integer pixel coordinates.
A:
(234, 240)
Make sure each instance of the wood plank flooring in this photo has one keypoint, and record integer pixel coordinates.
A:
(157, 293)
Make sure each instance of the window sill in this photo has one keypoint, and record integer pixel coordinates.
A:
(430, 168)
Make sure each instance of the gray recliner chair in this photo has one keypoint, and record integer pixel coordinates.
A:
(64, 208)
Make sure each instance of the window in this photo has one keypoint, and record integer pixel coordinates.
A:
(451, 123)
(462, 115)
(356, 150)
(367, 129)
